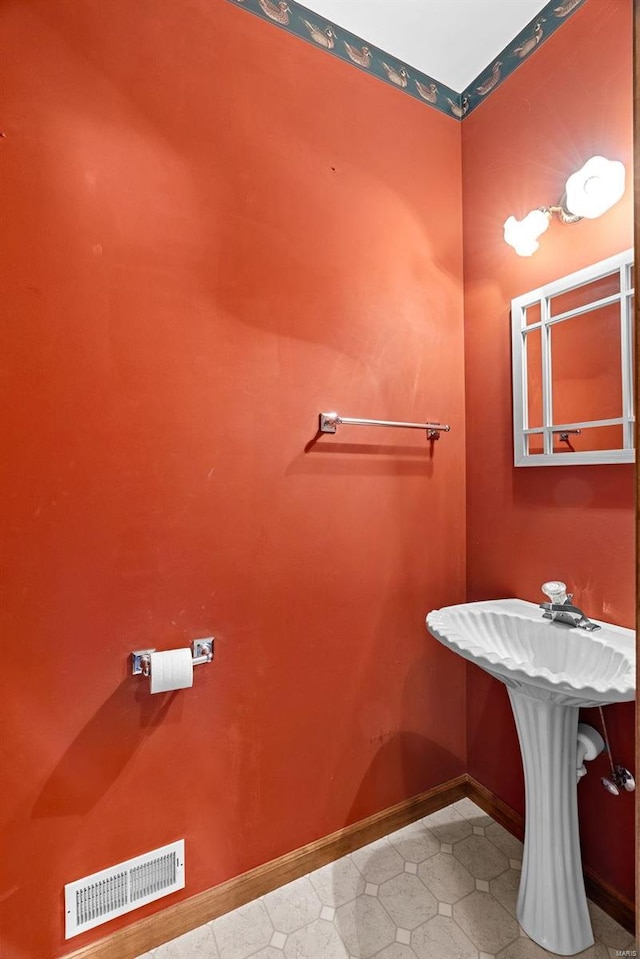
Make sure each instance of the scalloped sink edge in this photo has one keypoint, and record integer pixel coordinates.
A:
(509, 639)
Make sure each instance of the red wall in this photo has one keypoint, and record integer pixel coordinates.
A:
(571, 100)
(212, 231)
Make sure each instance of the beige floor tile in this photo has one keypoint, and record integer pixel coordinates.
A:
(407, 900)
(379, 861)
(476, 816)
(448, 825)
(447, 878)
(401, 897)
(482, 859)
(338, 882)
(292, 906)
(485, 922)
(415, 843)
(268, 953)
(608, 931)
(526, 949)
(597, 951)
(198, 944)
(396, 951)
(505, 889)
(320, 938)
(631, 953)
(441, 938)
(506, 843)
(242, 932)
(364, 927)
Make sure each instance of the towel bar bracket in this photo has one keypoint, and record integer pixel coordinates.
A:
(329, 422)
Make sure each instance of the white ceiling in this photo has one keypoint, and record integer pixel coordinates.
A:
(450, 40)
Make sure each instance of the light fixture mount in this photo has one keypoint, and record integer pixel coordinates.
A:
(589, 193)
(563, 214)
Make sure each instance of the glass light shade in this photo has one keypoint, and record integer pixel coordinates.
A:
(595, 188)
(523, 234)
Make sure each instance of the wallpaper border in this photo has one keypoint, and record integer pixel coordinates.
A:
(338, 42)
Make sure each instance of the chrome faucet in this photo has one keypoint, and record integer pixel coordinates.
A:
(560, 609)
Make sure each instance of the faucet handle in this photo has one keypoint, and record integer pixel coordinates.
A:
(556, 591)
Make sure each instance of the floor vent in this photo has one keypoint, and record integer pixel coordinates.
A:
(95, 899)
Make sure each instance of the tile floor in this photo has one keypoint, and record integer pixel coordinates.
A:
(444, 887)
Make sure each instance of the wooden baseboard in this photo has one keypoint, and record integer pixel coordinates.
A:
(609, 899)
(496, 808)
(146, 934)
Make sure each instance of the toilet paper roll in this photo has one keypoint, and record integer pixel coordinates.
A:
(172, 669)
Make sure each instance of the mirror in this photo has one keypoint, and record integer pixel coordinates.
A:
(572, 345)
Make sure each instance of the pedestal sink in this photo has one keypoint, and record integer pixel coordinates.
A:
(550, 671)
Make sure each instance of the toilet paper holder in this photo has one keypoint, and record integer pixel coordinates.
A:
(201, 651)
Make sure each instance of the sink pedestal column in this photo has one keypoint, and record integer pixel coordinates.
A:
(552, 905)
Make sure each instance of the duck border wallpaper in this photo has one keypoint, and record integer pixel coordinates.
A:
(304, 23)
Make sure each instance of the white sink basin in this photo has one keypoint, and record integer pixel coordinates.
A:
(550, 671)
(510, 639)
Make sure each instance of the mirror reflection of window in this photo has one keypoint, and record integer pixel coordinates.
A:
(586, 378)
(534, 378)
(603, 288)
(573, 347)
(590, 438)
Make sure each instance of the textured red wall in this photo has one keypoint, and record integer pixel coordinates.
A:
(571, 100)
(212, 231)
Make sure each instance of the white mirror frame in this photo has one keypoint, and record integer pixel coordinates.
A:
(623, 263)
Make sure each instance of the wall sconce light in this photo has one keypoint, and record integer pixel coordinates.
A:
(589, 193)
(523, 235)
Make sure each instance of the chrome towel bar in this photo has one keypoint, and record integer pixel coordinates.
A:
(329, 423)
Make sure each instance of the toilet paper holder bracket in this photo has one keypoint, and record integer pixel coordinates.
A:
(201, 651)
